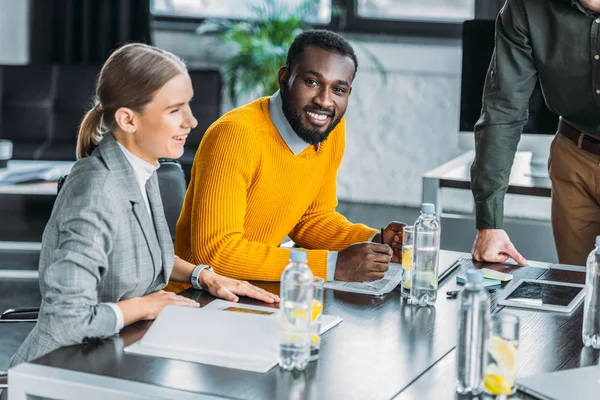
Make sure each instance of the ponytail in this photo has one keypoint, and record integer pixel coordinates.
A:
(129, 78)
(90, 132)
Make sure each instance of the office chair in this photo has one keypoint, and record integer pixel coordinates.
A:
(25, 314)
(171, 181)
(172, 184)
(21, 314)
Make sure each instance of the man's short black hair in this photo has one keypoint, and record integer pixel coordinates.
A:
(323, 39)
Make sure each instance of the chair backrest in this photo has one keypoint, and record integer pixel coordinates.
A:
(60, 184)
(171, 180)
(172, 184)
(41, 107)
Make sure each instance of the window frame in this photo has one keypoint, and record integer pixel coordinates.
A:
(350, 22)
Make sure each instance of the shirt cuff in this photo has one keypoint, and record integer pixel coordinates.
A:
(331, 261)
(119, 314)
(373, 236)
(489, 215)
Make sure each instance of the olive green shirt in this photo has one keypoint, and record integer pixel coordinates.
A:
(555, 41)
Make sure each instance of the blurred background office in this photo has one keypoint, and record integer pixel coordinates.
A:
(404, 117)
(415, 99)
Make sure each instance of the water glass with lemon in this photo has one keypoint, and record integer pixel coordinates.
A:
(408, 236)
(501, 371)
(315, 321)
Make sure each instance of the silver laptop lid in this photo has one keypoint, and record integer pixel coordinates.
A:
(579, 383)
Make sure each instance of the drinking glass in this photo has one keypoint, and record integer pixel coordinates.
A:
(315, 324)
(501, 370)
(408, 238)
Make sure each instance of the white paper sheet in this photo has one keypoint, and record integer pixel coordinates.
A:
(234, 340)
(393, 276)
(212, 335)
(390, 280)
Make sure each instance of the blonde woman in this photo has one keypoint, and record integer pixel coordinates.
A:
(106, 251)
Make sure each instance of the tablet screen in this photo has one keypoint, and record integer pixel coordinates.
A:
(543, 293)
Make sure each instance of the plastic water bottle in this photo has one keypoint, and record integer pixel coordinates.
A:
(296, 305)
(426, 251)
(591, 309)
(473, 331)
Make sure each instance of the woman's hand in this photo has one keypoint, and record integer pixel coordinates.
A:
(228, 288)
(155, 302)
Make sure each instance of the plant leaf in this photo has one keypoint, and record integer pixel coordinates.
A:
(263, 43)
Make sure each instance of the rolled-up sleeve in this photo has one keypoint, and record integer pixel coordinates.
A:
(510, 80)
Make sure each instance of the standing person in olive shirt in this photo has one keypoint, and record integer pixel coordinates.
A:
(557, 42)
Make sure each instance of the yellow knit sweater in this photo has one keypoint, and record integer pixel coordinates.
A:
(248, 191)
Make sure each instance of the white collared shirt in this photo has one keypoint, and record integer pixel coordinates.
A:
(289, 136)
(143, 171)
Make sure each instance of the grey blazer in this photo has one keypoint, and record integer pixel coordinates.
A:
(99, 246)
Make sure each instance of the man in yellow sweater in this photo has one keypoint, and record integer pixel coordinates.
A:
(268, 169)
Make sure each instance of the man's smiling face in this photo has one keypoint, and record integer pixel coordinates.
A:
(315, 92)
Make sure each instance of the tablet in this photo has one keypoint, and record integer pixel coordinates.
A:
(542, 295)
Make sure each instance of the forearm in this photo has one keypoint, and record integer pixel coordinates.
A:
(490, 173)
(182, 270)
(510, 80)
(133, 309)
(331, 231)
(248, 260)
(73, 324)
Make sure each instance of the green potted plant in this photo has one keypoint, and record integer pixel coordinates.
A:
(262, 44)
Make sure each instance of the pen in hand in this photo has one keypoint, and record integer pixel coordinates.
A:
(382, 240)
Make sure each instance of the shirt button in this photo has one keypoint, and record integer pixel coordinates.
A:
(596, 57)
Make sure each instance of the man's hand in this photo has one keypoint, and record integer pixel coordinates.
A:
(392, 236)
(493, 245)
(363, 262)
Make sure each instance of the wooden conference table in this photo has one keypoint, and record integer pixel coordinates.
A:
(383, 349)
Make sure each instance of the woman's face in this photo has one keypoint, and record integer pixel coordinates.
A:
(162, 128)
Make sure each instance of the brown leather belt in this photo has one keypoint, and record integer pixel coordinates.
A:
(583, 140)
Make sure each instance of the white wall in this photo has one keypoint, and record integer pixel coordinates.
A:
(14, 31)
(397, 130)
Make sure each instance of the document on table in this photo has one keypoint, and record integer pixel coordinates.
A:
(233, 340)
(223, 333)
(327, 321)
(390, 280)
(448, 262)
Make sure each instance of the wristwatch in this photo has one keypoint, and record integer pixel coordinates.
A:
(195, 280)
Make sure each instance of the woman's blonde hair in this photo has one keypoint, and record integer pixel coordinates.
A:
(129, 78)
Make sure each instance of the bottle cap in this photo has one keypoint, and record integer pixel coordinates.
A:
(427, 208)
(474, 276)
(298, 256)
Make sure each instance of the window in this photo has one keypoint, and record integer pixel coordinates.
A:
(417, 10)
(317, 11)
(432, 18)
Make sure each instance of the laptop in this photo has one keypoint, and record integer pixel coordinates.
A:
(570, 384)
